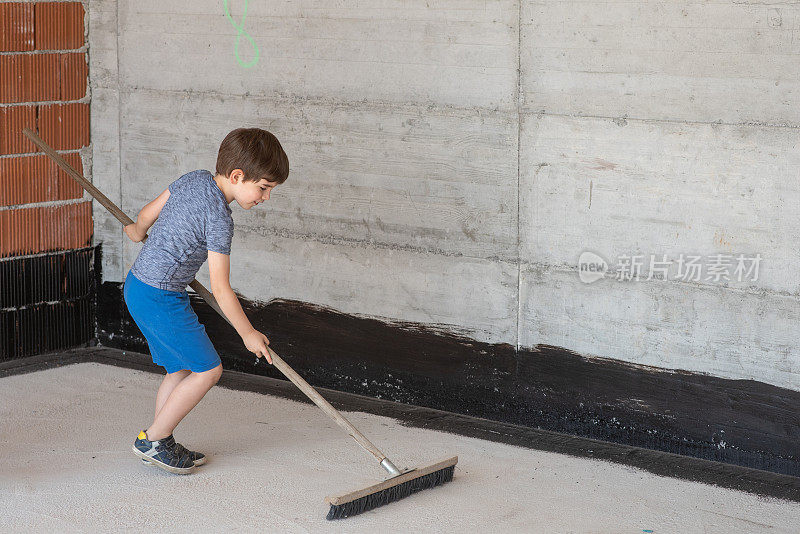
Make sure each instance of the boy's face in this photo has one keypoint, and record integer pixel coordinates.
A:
(249, 194)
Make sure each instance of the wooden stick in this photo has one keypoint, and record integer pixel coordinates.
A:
(282, 366)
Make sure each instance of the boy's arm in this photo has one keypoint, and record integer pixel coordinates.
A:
(219, 267)
(147, 216)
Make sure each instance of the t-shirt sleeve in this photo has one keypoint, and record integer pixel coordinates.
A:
(180, 183)
(219, 233)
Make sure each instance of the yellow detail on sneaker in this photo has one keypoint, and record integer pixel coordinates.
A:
(141, 435)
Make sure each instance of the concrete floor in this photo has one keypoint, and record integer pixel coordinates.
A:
(66, 466)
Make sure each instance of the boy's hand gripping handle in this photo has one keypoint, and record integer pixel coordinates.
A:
(282, 366)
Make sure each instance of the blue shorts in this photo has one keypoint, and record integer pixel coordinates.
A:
(176, 338)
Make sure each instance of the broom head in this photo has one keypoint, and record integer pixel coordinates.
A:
(392, 489)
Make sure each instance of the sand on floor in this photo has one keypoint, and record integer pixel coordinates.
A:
(66, 465)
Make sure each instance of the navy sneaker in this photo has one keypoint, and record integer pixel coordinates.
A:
(197, 457)
(162, 455)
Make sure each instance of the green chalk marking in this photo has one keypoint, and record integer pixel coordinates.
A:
(241, 32)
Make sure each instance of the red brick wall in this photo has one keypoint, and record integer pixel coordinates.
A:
(43, 85)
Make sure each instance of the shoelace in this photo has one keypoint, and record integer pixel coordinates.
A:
(180, 449)
(172, 446)
(183, 450)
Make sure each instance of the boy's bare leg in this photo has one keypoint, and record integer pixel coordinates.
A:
(167, 385)
(180, 402)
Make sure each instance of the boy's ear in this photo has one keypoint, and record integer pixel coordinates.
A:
(236, 175)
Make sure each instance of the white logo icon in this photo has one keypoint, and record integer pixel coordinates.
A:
(591, 267)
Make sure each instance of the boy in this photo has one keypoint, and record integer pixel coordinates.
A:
(192, 221)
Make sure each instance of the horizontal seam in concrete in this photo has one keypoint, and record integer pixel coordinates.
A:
(388, 106)
(441, 109)
(331, 239)
(665, 121)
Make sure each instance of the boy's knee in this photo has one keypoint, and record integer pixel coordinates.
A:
(213, 375)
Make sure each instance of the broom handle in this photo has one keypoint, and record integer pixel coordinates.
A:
(282, 366)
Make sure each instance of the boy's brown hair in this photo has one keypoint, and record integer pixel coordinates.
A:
(256, 152)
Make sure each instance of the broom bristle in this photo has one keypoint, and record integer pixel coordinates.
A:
(395, 493)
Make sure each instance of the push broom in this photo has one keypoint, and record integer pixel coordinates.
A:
(399, 485)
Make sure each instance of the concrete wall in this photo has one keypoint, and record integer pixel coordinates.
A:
(450, 161)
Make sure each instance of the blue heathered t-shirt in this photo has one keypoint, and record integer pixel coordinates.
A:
(195, 219)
